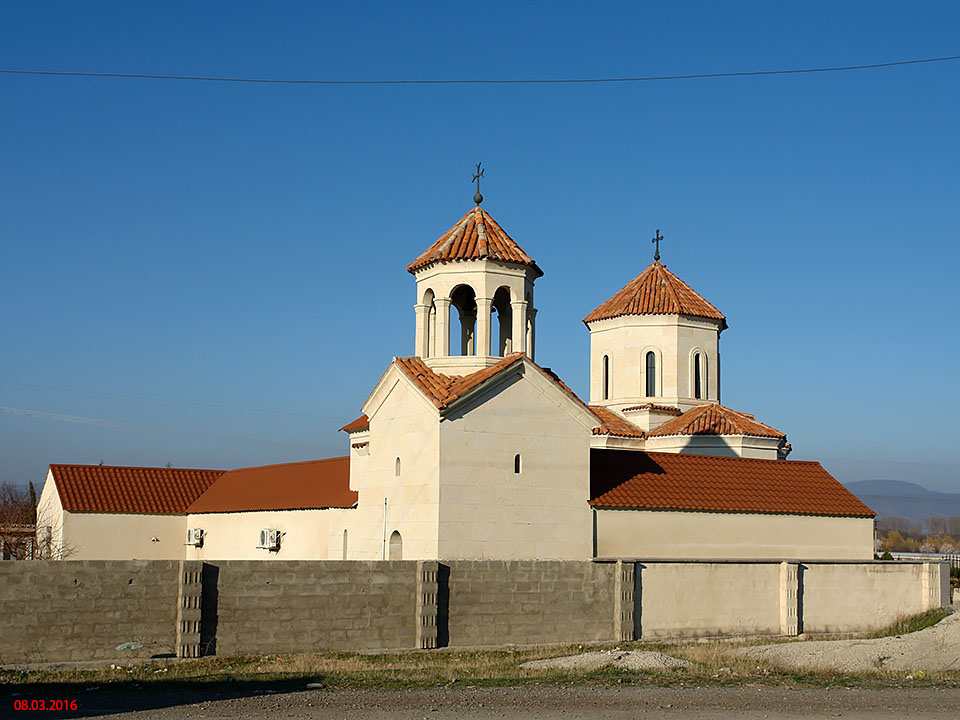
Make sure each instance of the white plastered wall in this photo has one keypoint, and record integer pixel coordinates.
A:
(50, 515)
(304, 534)
(123, 536)
(724, 445)
(403, 424)
(487, 510)
(674, 338)
(664, 534)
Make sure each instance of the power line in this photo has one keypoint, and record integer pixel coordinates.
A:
(500, 81)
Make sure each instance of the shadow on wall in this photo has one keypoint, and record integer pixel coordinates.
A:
(209, 617)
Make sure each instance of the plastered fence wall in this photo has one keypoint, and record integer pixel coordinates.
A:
(106, 610)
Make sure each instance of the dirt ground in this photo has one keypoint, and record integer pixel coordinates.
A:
(933, 649)
(539, 703)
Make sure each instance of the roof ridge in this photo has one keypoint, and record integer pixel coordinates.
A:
(668, 277)
(290, 464)
(135, 467)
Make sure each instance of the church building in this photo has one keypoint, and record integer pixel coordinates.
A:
(471, 449)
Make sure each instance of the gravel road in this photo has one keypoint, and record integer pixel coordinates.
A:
(543, 703)
(932, 649)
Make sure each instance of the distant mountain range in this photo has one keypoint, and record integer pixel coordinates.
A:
(903, 499)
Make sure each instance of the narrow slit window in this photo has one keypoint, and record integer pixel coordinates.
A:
(396, 470)
(697, 378)
(651, 374)
(516, 464)
(606, 377)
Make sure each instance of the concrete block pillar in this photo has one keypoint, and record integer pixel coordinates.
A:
(484, 306)
(789, 599)
(623, 601)
(443, 326)
(426, 613)
(188, 609)
(518, 309)
(935, 585)
(422, 345)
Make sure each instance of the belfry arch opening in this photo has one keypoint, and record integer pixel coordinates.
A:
(501, 343)
(463, 306)
(430, 326)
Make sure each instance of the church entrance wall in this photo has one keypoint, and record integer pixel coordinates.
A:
(130, 610)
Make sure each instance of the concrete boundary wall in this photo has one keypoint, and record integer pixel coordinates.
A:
(87, 610)
(131, 610)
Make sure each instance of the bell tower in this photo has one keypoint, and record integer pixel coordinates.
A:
(474, 295)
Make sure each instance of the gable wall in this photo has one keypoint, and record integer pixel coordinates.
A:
(489, 512)
(403, 426)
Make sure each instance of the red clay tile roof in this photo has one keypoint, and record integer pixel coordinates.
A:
(475, 236)
(716, 419)
(113, 489)
(652, 407)
(290, 486)
(674, 481)
(444, 389)
(358, 425)
(613, 424)
(656, 291)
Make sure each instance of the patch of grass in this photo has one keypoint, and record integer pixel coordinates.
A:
(911, 623)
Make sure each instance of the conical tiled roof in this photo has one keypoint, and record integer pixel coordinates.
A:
(713, 419)
(656, 291)
(474, 237)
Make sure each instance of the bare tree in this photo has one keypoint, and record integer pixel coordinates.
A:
(938, 526)
(18, 516)
(953, 526)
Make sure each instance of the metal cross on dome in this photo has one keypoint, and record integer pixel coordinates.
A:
(656, 240)
(478, 198)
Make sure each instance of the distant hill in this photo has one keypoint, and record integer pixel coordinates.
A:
(903, 499)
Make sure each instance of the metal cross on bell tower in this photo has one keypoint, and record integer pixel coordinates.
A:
(656, 240)
(478, 198)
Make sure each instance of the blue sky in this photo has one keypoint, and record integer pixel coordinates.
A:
(213, 275)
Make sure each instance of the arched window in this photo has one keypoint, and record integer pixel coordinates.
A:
(344, 544)
(606, 377)
(697, 377)
(651, 374)
(396, 468)
(396, 546)
(516, 464)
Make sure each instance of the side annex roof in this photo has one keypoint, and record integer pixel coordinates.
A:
(120, 489)
(311, 485)
(632, 480)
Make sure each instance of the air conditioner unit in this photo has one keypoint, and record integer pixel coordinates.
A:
(195, 537)
(269, 539)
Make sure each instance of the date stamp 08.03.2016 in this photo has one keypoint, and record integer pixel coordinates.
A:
(41, 704)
